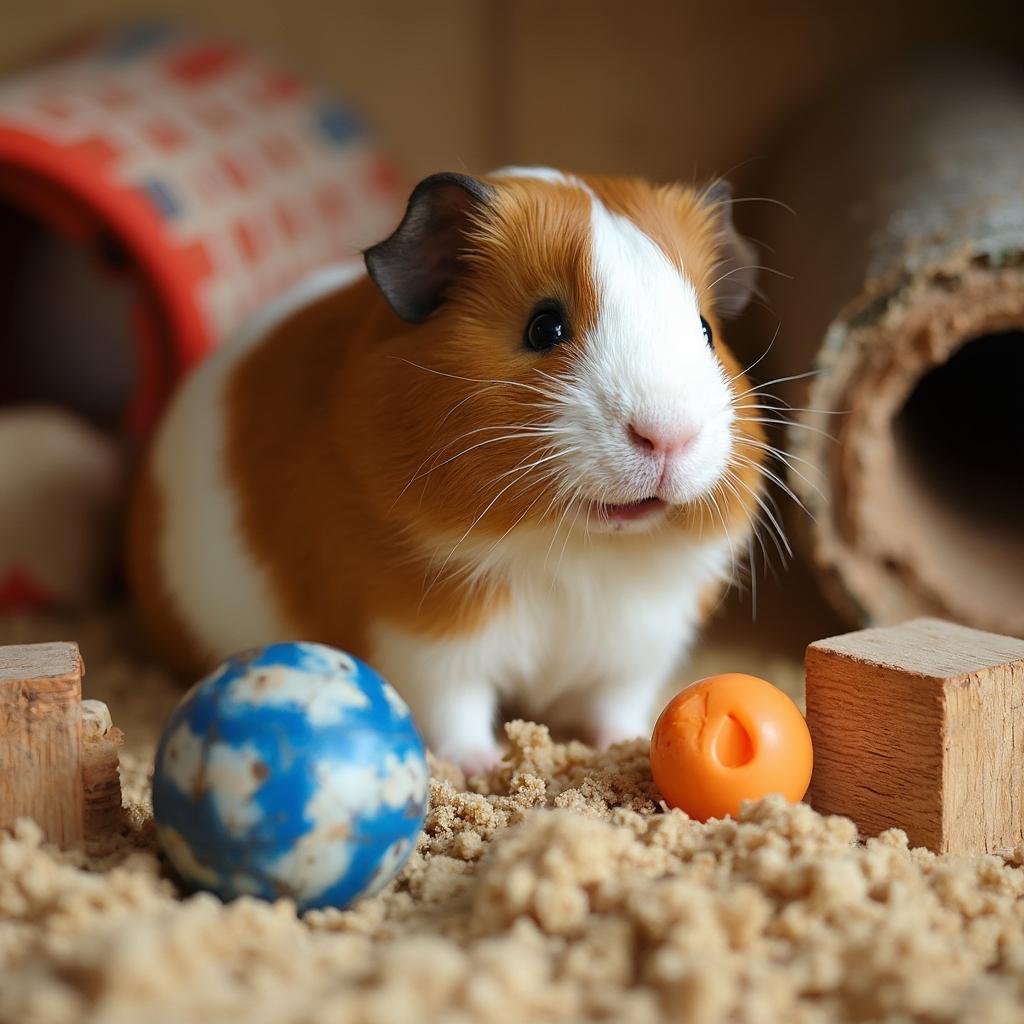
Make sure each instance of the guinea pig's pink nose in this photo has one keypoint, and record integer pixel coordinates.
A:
(657, 441)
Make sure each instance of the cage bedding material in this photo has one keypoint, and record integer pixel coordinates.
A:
(560, 891)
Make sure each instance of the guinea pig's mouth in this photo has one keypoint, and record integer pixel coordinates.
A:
(629, 512)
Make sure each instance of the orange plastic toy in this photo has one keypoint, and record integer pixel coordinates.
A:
(730, 738)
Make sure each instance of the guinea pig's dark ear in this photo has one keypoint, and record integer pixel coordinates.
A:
(416, 265)
(735, 274)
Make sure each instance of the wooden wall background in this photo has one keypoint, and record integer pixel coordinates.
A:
(661, 88)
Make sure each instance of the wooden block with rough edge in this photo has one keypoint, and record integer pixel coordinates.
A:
(40, 738)
(101, 778)
(921, 727)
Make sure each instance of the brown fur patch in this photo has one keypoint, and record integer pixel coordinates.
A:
(313, 418)
(675, 219)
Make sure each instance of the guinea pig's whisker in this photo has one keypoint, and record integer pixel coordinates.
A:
(420, 474)
(775, 479)
(562, 486)
(735, 560)
(539, 457)
(552, 399)
(538, 427)
(470, 380)
(743, 373)
(777, 380)
(702, 507)
(787, 459)
(448, 444)
(522, 472)
(797, 408)
(810, 483)
(523, 431)
(771, 510)
(732, 201)
(777, 404)
(539, 462)
(561, 387)
(566, 502)
(569, 504)
(519, 518)
(731, 488)
(451, 554)
(711, 502)
(757, 536)
(764, 529)
(753, 577)
(760, 466)
(787, 423)
(697, 507)
(547, 376)
(565, 393)
(777, 535)
(772, 450)
(477, 572)
(580, 505)
(518, 435)
(460, 403)
(748, 266)
(476, 394)
(709, 505)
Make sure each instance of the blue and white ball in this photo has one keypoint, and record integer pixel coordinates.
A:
(292, 770)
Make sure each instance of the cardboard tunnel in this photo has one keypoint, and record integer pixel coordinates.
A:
(906, 300)
(155, 188)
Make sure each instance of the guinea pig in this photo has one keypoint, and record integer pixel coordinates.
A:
(511, 463)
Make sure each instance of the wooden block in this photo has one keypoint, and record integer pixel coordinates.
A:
(101, 779)
(921, 727)
(58, 753)
(40, 738)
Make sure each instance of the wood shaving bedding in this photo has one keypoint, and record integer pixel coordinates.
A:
(556, 890)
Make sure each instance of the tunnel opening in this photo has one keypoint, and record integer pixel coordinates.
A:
(69, 310)
(961, 435)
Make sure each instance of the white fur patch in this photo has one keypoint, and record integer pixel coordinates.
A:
(589, 636)
(646, 364)
(219, 592)
(548, 174)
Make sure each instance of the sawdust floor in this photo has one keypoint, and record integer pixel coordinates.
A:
(558, 892)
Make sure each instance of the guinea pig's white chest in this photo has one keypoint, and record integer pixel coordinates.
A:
(579, 623)
(606, 618)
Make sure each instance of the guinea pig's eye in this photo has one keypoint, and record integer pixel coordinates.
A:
(708, 336)
(547, 328)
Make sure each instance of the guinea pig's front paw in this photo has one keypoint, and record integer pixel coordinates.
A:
(473, 760)
(603, 737)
